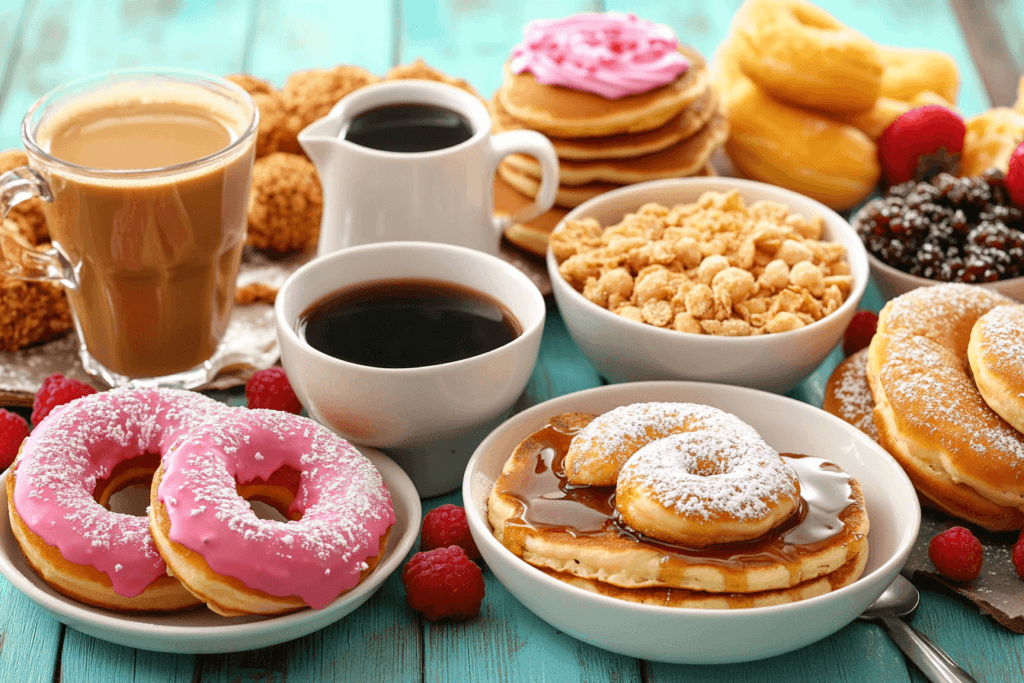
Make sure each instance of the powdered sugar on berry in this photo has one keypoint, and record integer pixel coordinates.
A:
(345, 508)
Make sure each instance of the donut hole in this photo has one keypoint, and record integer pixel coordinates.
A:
(272, 498)
(708, 466)
(126, 490)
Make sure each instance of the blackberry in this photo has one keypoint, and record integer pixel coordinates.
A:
(949, 229)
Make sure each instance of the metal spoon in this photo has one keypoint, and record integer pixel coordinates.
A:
(900, 599)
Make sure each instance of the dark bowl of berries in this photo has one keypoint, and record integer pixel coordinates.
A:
(946, 229)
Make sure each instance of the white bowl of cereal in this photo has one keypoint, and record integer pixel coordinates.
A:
(685, 634)
(742, 292)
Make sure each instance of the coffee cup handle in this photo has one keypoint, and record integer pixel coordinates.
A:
(536, 145)
(18, 258)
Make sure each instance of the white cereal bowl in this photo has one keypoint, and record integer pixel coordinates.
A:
(892, 282)
(623, 350)
(428, 419)
(695, 636)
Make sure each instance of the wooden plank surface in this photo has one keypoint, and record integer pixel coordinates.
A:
(46, 42)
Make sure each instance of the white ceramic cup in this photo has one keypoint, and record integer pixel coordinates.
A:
(428, 419)
(444, 195)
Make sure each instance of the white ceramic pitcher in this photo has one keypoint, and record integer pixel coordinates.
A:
(444, 195)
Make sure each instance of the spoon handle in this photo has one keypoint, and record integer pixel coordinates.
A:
(929, 658)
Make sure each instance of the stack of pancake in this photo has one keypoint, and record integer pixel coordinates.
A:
(602, 144)
(576, 534)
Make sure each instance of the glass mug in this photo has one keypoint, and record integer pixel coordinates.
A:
(144, 177)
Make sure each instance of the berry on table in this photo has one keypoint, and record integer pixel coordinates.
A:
(271, 390)
(859, 332)
(444, 584)
(1015, 176)
(56, 391)
(956, 554)
(1018, 557)
(13, 430)
(920, 143)
(445, 526)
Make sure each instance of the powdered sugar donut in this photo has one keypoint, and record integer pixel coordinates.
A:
(599, 451)
(68, 467)
(340, 515)
(701, 488)
(995, 356)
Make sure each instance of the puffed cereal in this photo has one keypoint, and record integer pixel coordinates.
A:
(715, 266)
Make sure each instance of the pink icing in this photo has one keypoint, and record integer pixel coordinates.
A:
(79, 444)
(344, 505)
(610, 54)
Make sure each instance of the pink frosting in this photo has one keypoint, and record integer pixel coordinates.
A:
(610, 54)
(79, 444)
(344, 505)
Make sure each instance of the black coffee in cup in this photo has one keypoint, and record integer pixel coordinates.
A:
(408, 128)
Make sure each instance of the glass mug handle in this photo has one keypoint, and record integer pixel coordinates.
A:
(538, 146)
(18, 258)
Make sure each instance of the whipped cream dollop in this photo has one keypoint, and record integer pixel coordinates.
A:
(610, 54)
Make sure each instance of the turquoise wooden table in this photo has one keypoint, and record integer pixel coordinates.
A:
(46, 42)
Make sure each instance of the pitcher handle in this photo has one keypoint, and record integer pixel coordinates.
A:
(18, 258)
(536, 145)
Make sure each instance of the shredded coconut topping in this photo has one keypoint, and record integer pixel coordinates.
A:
(79, 445)
(341, 498)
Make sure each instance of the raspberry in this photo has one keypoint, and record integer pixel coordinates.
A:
(56, 391)
(270, 389)
(13, 430)
(924, 141)
(444, 583)
(1018, 558)
(859, 332)
(445, 526)
(956, 554)
(1015, 176)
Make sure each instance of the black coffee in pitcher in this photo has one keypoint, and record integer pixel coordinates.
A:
(408, 128)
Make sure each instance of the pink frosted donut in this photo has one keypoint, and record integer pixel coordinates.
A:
(238, 564)
(70, 464)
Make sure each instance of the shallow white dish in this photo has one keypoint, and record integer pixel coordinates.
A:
(892, 282)
(627, 351)
(200, 631)
(697, 636)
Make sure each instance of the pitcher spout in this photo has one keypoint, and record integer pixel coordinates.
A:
(320, 140)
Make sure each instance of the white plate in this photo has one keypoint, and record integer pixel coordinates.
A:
(201, 631)
(697, 636)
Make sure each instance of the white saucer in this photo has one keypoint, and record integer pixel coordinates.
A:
(200, 631)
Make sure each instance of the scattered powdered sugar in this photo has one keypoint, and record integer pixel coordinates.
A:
(925, 377)
(611, 438)
(854, 394)
(708, 474)
(1002, 342)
